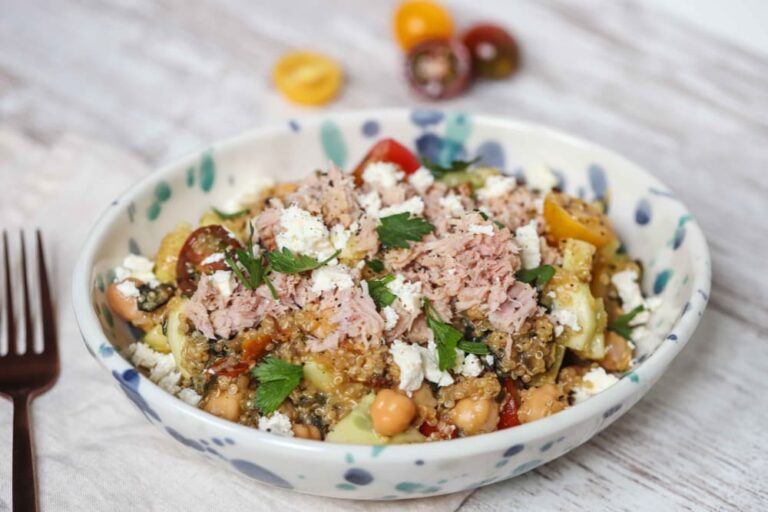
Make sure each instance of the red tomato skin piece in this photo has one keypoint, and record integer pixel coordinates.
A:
(387, 150)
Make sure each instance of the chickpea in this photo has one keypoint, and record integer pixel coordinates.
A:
(618, 355)
(125, 307)
(475, 416)
(223, 404)
(306, 431)
(536, 403)
(391, 412)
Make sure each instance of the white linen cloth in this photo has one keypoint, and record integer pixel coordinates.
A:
(95, 451)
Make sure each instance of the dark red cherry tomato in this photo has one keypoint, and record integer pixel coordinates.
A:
(200, 244)
(387, 150)
(448, 431)
(509, 407)
(495, 53)
(439, 69)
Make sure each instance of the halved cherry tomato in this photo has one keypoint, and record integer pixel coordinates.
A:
(200, 244)
(439, 68)
(387, 150)
(508, 410)
(308, 78)
(570, 217)
(418, 21)
(495, 53)
(254, 346)
(427, 430)
(225, 367)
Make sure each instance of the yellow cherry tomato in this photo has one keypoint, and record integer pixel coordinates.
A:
(570, 217)
(307, 78)
(418, 21)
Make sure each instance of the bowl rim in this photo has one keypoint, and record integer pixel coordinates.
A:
(649, 371)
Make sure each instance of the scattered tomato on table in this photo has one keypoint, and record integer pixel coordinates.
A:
(494, 52)
(439, 68)
(419, 21)
(308, 78)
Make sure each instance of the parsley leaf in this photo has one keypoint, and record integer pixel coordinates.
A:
(375, 265)
(288, 262)
(438, 171)
(621, 325)
(447, 337)
(485, 216)
(253, 265)
(474, 347)
(538, 276)
(396, 230)
(381, 295)
(277, 378)
(229, 216)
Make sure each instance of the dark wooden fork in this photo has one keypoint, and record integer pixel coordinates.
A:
(23, 376)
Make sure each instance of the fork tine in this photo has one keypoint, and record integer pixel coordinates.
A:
(9, 316)
(50, 344)
(28, 330)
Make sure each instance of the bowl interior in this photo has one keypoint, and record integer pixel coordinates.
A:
(652, 223)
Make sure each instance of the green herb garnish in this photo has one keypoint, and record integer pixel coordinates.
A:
(288, 262)
(229, 216)
(255, 269)
(447, 337)
(485, 216)
(538, 276)
(438, 171)
(621, 325)
(396, 230)
(473, 347)
(381, 295)
(375, 265)
(277, 378)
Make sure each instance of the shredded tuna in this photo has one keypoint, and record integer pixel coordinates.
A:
(356, 317)
(330, 194)
(267, 225)
(520, 304)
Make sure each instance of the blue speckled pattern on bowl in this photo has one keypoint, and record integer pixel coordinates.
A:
(654, 225)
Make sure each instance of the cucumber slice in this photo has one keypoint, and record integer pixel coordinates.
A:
(318, 376)
(157, 340)
(475, 177)
(177, 333)
(357, 426)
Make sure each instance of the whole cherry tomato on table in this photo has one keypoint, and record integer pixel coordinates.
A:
(439, 69)
(307, 78)
(495, 53)
(387, 150)
(418, 21)
(202, 243)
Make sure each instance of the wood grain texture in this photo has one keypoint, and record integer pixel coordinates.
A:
(162, 78)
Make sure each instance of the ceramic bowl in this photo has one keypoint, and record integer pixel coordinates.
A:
(655, 226)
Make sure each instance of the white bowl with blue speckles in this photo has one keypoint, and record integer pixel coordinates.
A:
(655, 226)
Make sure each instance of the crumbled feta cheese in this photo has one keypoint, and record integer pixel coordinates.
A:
(170, 383)
(224, 282)
(595, 381)
(422, 179)
(528, 238)
(340, 235)
(304, 233)
(452, 204)
(137, 267)
(538, 203)
(565, 318)
(162, 367)
(370, 202)
(407, 292)
(432, 371)
(408, 359)
(540, 177)
(471, 366)
(390, 318)
(628, 288)
(478, 229)
(414, 205)
(329, 277)
(489, 359)
(190, 396)
(277, 423)
(496, 186)
(213, 258)
(128, 289)
(384, 174)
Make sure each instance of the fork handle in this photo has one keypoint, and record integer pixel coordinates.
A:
(24, 484)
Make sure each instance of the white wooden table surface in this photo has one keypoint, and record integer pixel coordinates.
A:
(162, 78)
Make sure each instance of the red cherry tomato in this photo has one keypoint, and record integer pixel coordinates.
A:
(439, 69)
(387, 150)
(495, 53)
(225, 367)
(200, 244)
(510, 405)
